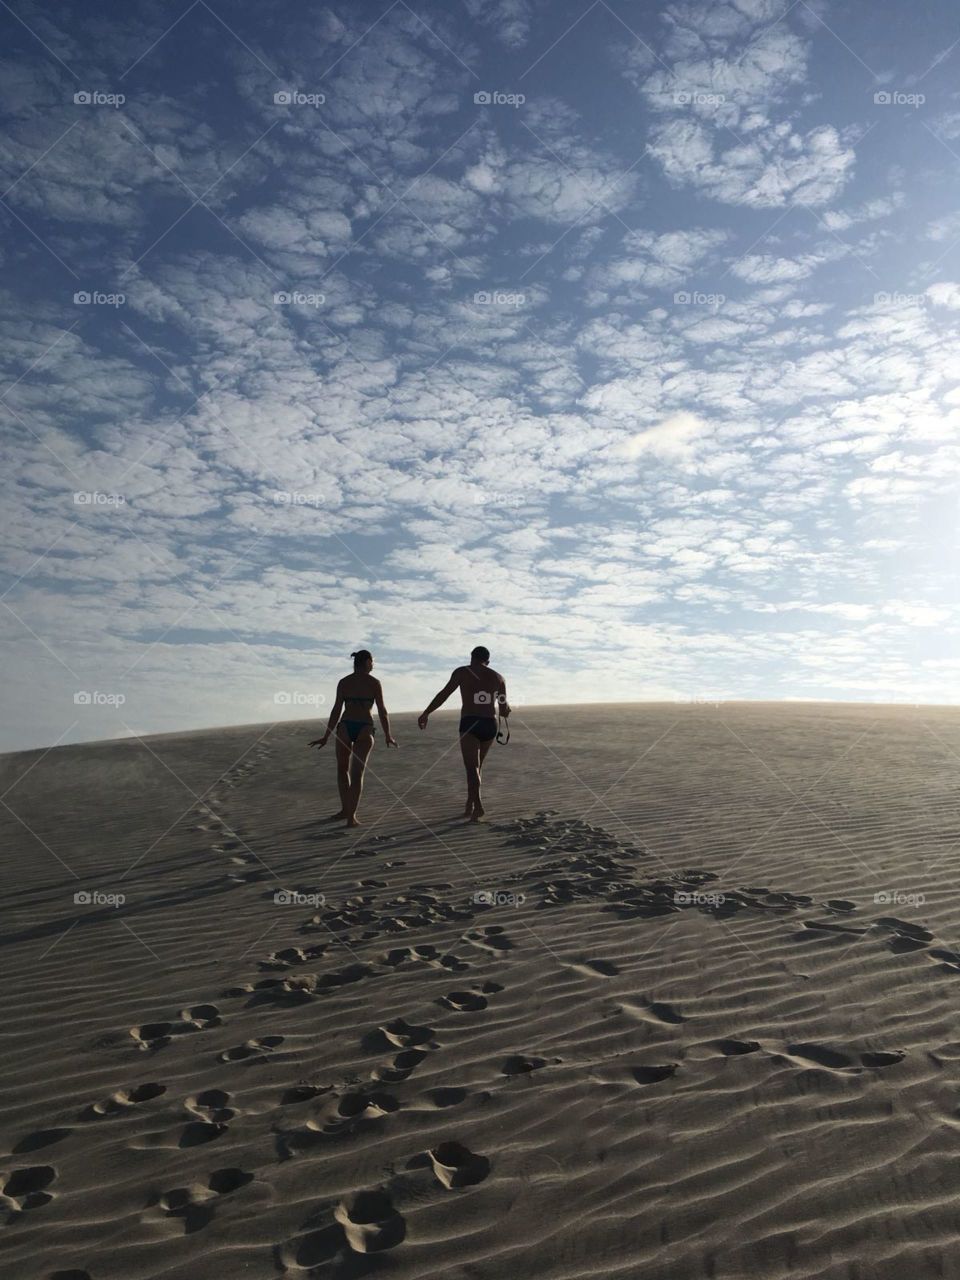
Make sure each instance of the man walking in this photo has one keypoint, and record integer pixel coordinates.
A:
(483, 695)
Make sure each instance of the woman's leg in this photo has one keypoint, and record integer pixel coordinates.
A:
(343, 770)
(361, 751)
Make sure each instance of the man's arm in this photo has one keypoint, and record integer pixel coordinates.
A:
(441, 698)
(334, 717)
(384, 718)
(502, 702)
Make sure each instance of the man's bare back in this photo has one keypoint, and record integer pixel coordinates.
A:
(481, 690)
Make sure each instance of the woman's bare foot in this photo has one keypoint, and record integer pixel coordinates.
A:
(477, 813)
(353, 822)
(468, 809)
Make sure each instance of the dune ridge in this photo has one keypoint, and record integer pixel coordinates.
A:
(683, 1007)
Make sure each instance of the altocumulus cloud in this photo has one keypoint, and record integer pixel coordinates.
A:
(639, 326)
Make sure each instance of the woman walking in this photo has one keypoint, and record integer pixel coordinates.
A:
(357, 694)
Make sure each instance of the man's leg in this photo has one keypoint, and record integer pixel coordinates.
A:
(470, 748)
(479, 810)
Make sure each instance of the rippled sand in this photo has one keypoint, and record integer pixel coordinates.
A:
(683, 1007)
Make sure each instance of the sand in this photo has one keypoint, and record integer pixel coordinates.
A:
(685, 1006)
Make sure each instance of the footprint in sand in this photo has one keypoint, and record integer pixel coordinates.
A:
(201, 1016)
(339, 1118)
(491, 938)
(463, 1001)
(343, 1113)
(289, 956)
(823, 930)
(593, 968)
(735, 1048)
(402, 1066)
(257, 1049)
(370, 1222)
(822, 1055)
(519, 1064)
(882, 1058)
(425, 954)
(457, 1166)
(654, 1074)
(650, 1011)
(194, 1205)
(448, 1096)
(302, 1093)
(26, 1189)
(42, 1138)
(211, 1106)
(153, 1035)
(404, 1035)
(949, 960)
(123, 1099)
(313, 1249)
(195, 1133)
(906, 936)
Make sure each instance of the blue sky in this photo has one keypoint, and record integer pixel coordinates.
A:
(622, 338)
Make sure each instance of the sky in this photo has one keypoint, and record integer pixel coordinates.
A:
(620, 337)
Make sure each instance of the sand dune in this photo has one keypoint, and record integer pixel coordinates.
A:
(685, 1006)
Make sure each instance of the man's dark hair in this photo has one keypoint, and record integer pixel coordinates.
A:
(480, 654)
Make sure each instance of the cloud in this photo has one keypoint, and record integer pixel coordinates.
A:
(508, 20)
(673, 439)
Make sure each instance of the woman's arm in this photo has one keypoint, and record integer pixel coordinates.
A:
(440, 699)
(384, 718)
(331, 723)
